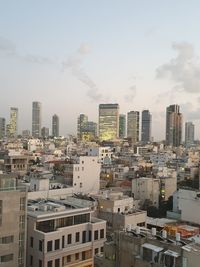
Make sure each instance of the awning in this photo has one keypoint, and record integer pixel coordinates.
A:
(172, 253)
(152, 247)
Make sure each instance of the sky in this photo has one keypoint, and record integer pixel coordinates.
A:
(72, 55)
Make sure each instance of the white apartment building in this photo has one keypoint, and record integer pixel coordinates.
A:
(62, 234)
(104, 153)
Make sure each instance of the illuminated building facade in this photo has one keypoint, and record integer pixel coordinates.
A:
(13, 122)
(122, 126)
(133, 120)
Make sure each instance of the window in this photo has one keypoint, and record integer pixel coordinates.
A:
(57, 244)
(69, 258)
(77, 236)
(40, 263)
(6, 258)
(31, 260)
(1, 207)
(83, 236)
(69, 239)
(77, 256)
(102, 249)
(40, 245)
(22, 203)
(90, 236)
(31, 242)
(96, 251)
(102, 233)
(50, 264)
(96, 235)
(22, 222)
(45, 226)
(57, 263)
(6, 239)
(63, 241)
(83, 255)
(81, 185)
(49, 246)
(83, 218)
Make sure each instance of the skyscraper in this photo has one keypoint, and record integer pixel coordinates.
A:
(36, 119)
(108, 121)
(81, 124)
(13, 122)
(146, 126)
(45, 132)
(2, 127)
(173, 125)
(55, 125)
(133, 122)
(189, 133)
(122, 126)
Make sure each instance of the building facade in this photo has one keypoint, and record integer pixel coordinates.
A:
(13, 129)
(2, 127)
(189, 133)
(55, 125)
(146, 126)
(173, 125)
(108, 122)
(36, 119)
(45, 132)
(122, 126)
(133, 124)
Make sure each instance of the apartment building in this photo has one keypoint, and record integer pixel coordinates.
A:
(60, 233)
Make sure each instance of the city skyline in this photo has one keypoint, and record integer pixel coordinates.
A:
(136, 52)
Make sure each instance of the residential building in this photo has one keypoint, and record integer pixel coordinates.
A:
(108, 122)
(173, 125)
(55, 126)
(13, 202)
(189, 134)
(133, 119)
(104, 154)
(13, 128)
(63, 233)
(36, 119)
(2, 127)
(146, 126)
(122, 126)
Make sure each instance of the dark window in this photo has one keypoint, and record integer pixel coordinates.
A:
(77, 236)
(50, 264)
(83, 255)
(31, 260)
(6, 239)
(31, 242)
(96, 251)
(57, 244)
(69, 258)
(83, 218)
(90, 236)
(102, 233)
(40, 245)
(40, 263)
(6, 258)
(63, 241)
(49, 246)
(69, 239)
(83, 236)
(45, 226)
(96, 235)
(77, 256)
(101, 249)
(57, 263)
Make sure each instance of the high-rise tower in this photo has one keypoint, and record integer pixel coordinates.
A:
(2, 127)
(55, 125)
(189, 133)
(13, 130)
(36, 119)
(122, 126)
(173, 125)
(146, 126)
(133, 120)
(108, 121)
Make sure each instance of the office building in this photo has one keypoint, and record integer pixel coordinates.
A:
(2, 128)
(13, 130)
(173, 126)
(146, 126)
(45, 132)
(108, 122)
(133, 119)
(63, 233)
(13, 201)
(122, 126)
(81, 124)
(189, 133)
(55, 125)
(89, 132)
(36, 119)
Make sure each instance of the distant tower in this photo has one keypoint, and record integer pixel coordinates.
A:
(133, 123)
(189, 133)
(173, 125)
(2, 128)
(81, 124)
(55, 125)
(36, 119)
(122, 126)
(146, 126)
(45, 132)
(108, 121)
(13, 122)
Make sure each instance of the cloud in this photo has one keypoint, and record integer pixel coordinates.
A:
(7, 47)
(132, 94)
(37, 59)
(184, 69)
(73, 63)
(190, 112)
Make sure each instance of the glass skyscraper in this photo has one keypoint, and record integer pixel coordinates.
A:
(146, 126)
(36, 119)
